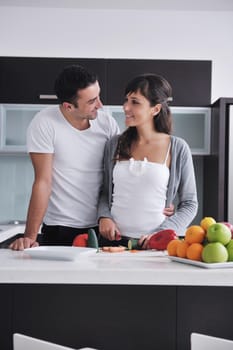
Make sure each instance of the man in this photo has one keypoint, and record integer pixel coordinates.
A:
(66, 145)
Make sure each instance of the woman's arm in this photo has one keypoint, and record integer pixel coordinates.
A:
(183, 184)
(107, 226)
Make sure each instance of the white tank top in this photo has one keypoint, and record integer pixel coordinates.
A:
(139, 195)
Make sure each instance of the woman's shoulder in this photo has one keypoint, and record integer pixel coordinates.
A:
(178, 142)
(180, 147)
(112, 142)
(111, 146)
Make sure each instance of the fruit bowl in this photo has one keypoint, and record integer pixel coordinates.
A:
(201, 264)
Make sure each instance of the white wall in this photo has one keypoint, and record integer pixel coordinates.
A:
(58, 32)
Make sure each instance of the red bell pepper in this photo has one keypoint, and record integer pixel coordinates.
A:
(160, 239)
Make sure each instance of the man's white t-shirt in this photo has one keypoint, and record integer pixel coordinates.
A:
(77, 164)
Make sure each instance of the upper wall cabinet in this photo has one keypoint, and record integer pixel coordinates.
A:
(31, 79)
(193, 124)
(190, 80)
(14, 121)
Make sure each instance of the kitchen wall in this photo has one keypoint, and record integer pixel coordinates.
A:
(67, 32)
(16, 174)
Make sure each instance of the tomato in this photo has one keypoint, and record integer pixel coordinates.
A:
(80, 240)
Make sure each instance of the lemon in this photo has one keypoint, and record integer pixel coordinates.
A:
(206, 222)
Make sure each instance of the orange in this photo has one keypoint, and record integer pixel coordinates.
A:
(194, 234)
(181, 249)
(194, 251)
(172, 247)
(206, 222)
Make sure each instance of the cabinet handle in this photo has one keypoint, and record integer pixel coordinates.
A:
(48, 97)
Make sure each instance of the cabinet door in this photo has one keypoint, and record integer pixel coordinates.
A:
(14, 121)
(190, 123)
(193, 125)
(190, 80)
(100, 316)
(6, 297)
(24, 80)
(206, 310)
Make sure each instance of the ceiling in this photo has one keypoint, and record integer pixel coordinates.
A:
(164, 5)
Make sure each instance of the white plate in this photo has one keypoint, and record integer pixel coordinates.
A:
(59, 252)
(201, 264)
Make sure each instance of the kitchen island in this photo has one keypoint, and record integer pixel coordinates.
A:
(113, 301)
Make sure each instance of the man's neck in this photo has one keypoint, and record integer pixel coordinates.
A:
(77, 123)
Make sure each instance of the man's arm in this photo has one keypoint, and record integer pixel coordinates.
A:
(41, 189)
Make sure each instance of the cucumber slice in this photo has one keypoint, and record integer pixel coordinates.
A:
(133, 244)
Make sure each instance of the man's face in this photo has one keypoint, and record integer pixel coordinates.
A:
(88, 102)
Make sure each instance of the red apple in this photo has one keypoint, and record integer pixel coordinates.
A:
(230, 226)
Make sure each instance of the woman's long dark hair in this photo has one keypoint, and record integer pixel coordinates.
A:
(156, 90)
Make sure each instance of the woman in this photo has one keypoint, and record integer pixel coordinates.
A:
(145, 169)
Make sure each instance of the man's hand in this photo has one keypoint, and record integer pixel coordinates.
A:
(109, 230)
(22, 243)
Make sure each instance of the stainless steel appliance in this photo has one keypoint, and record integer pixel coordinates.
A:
(230, 167)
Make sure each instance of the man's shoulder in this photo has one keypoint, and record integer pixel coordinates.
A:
(46, 114)
(48, 111)
(107, 122)
(104, 115)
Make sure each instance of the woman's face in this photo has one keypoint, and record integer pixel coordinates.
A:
(138, 110)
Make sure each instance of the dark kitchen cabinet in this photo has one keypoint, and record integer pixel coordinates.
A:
(205, 310)
(113, 317)
(24, 79)
(105, 317)
(6, 308)
(190, 80)
(216, 166)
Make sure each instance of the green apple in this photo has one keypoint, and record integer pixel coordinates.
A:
(219, 233)
(230, 250)
(214, 253)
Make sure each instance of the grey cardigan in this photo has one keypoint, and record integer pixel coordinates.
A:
(181, 184)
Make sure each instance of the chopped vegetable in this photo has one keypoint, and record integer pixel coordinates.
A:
(133, 244)
(118, 249)
(92, 241)
(80, 240)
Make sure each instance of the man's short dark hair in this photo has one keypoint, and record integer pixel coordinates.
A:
(72, 79)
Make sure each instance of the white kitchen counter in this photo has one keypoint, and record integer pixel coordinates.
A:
(115, 268)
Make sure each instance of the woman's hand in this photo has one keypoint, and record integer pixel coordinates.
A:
(143, 241)
(169, 211)
(109, 230)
